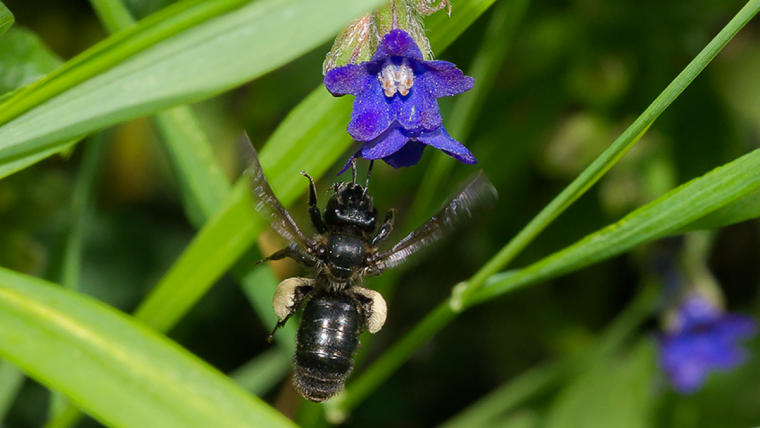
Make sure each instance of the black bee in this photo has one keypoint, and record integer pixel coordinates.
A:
(344, 250)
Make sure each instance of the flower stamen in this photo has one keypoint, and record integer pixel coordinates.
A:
(396, 78)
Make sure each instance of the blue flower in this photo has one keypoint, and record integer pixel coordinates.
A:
(702, 339)
(396, 112)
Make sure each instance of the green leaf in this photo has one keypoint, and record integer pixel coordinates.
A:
(202, 180)
(616, 393)
(264, 371)
(197, 63)
(666, 215)
(737, 211)
(444, 29)
(24, 58)
(492, 52)
(121, 372)
(11, 380)
(6, 18)
(508, 398)
(610, 157)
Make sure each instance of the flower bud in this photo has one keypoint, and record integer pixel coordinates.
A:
(358, 42)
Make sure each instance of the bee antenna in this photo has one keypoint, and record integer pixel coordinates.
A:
(353, 169)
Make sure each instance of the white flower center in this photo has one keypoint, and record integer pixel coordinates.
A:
(396, 78)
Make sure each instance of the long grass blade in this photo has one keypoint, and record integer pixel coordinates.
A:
(6, 18)
(122, 373)
(197, 63)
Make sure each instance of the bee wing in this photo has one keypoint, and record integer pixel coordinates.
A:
(476, 192)
(266, 203)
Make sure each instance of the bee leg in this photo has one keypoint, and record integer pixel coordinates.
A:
(385, 229)
(294, 252)
(288, 297)
(316, 216)
(375, 309)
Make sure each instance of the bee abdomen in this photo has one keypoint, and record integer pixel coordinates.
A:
(327, 341)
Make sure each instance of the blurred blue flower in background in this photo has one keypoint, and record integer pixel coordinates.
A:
(702, 338)
(396, 114)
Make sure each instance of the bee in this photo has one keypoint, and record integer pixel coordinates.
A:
(344, 250)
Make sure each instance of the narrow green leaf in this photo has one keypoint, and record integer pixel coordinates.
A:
(123, 373)
(265, 371)
(617, 393)
(198, 63)
(606, 160)
(444, 29)
(666, 215)
(6, 19)
(737, 211)
(12, 165)
(115, 49)
(11, 380)
(203, 182)
(507, 397)
(485, 66)
(113, 14)
(24, 58)
(80, 211)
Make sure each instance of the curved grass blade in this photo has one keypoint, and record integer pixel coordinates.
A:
(113, 15)
(24, 58)
(504, 22)
(195, 64)
(115, 49)
(606, 160)
(666, 215)
(203, 183)
(743, 209)
(124, 374)
(11, 380)
(265, 371)
(508, 397)
(616, 393)
(6, 18)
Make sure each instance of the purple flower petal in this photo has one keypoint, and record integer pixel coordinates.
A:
(386, 144)
(370, 116)
(443, 79)
(408, 155)
(440, 139)
(348, 164)
(417, 112)
(399, 44)
(349, 79)
(702, 340)
(736, 326)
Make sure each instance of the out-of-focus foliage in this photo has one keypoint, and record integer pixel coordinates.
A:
(574, 76)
